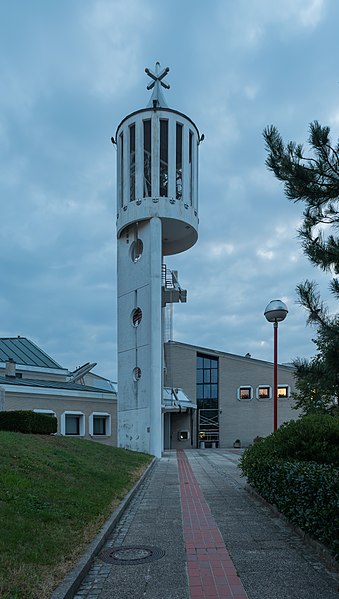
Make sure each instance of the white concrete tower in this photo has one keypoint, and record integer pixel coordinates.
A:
(157, 215)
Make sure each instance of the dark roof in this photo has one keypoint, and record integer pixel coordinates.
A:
(23, 351)
(5, 380)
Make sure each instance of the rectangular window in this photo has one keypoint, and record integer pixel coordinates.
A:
(283, 392)
(214, 391)
(200, 362)
(207, 382)
(147, 159)
(214, 375)
(200, 375)
(190, 158)
(245, 393)
(264, 392)
(200, 392)
(72, 425)
(132, 162)
(207, 375)
(163, 174)
(207, 391)
(178, 161)
(121, 170)
(99, 425)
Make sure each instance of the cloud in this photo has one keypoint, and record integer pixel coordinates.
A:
(249, 23)
(114, 33)
(218, 250)
(70, 73)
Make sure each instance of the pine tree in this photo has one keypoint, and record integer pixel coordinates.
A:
(314, 180)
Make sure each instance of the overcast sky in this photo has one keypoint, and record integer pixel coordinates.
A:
(70, 71)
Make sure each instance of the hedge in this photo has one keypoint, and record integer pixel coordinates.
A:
(26, 421)
(307, 493)
(313, 438)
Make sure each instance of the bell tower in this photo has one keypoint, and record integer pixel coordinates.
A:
(157, 216)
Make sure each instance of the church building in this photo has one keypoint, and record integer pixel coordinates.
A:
(170, 394)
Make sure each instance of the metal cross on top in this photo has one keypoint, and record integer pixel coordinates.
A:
(157, 100)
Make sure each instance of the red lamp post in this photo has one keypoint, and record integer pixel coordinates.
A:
(275, 312)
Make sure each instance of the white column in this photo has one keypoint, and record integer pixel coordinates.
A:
(156, 338)
(139, 402)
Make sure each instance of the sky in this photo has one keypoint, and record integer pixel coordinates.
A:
(70, 72)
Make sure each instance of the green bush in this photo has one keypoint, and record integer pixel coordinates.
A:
(306, 493)
(26, 421)
(313, 438)
(296, 469)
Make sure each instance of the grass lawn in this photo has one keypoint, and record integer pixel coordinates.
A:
(55, 493)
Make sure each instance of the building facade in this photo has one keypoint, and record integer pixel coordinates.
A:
(233, 396)
(84, 404)
(210, 398)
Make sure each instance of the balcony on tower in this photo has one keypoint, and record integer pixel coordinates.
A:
(171, 290)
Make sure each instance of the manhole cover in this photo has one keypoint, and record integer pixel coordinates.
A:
(131, 555)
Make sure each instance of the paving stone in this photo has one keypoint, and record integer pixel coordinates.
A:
(266, 560)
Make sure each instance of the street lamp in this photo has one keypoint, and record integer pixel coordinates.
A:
(275, 312)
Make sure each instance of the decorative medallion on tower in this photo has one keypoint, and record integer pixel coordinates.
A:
(157, 215)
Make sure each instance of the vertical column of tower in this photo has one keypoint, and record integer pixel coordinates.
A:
(139, 337)
(156, 216)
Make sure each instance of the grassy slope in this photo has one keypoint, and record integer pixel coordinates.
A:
(55, 493)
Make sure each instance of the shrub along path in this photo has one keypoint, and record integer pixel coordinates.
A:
(296, 469)
(55, 493)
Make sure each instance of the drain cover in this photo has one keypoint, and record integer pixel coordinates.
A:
(131, 555)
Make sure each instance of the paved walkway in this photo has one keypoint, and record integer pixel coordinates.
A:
(192, 531)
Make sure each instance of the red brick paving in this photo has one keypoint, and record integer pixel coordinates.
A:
(211, 572)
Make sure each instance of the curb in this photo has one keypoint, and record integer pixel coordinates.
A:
(72, 581)
(321, 551)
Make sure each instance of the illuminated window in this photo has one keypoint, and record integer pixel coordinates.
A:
(245, 393)
(264, 392)
(283, 392)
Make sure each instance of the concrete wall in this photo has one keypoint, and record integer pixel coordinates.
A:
(139, 286)
(180, 422)
(180, 372)
(180, 367)
(246, 419)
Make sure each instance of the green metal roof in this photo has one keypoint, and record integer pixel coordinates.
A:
(25, 352)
